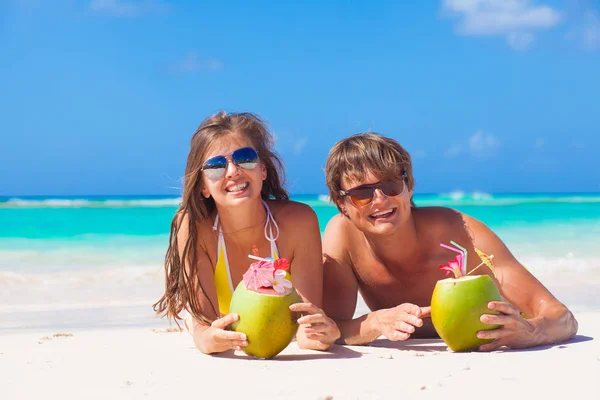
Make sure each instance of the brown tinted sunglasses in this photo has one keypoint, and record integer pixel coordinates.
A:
(363, 194)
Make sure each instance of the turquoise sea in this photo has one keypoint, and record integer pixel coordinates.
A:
(104, 254)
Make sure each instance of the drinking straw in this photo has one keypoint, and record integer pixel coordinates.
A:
(257, 258)
(455, 250)
(465, 256)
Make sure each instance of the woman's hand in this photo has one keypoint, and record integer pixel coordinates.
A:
(515, 331)
(216, 338)
(321, 330)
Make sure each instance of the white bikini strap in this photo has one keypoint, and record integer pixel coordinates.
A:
(270, 218)
(216, 224)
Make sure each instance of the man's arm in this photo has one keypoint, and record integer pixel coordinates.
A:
(549, 321)
(340, 290)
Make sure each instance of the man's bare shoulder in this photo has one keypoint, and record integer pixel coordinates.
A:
(340, 227)
(439, 218)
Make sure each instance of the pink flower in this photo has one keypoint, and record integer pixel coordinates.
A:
(260, 274)
(454, 266)
(280, 284)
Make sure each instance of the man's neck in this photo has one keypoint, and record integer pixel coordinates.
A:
(401, 249)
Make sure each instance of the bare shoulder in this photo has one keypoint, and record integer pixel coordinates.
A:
(339, 226)
(291, 211)
(440, 219)
(341, 238)
(297, 222)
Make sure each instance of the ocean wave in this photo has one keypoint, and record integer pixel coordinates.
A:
(459, 198)
(451, 199)
(88, 203)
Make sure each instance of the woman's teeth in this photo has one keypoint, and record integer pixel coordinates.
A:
(237, 188)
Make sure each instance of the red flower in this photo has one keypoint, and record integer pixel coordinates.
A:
(282, 263)
(255, 250)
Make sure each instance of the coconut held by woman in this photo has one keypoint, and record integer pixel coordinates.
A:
(262, 300)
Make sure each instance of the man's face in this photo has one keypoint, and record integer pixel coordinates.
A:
(384, 213)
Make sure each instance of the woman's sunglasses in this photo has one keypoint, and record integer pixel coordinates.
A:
(363, 195)
(214, 168)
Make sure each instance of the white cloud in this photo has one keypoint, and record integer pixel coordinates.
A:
(482, 143)
(417, 154)
(520, 40)
(454, 151)
(539, 143)
(513, 19)
(192, 62)
(120, 8)
(299, 145)
(591, 31)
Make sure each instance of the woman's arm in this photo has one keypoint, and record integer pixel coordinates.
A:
(316, 331)
(213, 338)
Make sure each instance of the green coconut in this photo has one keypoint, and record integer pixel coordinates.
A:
(265, 318)
(456, 307)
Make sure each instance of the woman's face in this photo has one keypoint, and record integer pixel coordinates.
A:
(237, 184)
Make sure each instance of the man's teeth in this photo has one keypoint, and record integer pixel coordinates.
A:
(237, 188)
(382, 213)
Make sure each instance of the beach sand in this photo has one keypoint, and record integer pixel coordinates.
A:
(159, 363)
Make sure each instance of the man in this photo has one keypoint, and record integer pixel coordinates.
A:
(389, 249)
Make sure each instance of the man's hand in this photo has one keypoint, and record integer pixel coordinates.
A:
(515, 331)
(217, 339)
(399, 323)
(317, 325)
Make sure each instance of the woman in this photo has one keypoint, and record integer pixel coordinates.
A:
(233, 199)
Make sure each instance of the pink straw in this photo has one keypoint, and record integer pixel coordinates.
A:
(457, 251)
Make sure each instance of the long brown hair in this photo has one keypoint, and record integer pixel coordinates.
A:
(353, 156)
(182, 289)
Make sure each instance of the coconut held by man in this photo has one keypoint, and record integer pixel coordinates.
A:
(262, 300)
(458, 303)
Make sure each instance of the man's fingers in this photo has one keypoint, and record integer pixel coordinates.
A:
(413, 320)
(224, 322)
(503, 307)
(410, 308)
(425, 312)
(397, 335)
(494, 319)
(404, 327)
(496, 344)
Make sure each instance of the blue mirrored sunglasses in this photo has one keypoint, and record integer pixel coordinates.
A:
(214, 168)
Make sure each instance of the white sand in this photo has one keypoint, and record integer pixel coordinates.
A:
(141, 363)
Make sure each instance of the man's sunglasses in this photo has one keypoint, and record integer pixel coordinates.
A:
(214, 168)
(363, 195)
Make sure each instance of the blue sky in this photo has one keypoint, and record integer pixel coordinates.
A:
(102, 96)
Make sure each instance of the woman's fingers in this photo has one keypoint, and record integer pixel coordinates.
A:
(312, 319)
(306, 307)
(224, 322)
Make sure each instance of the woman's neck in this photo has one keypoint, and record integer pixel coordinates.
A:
(242, 221)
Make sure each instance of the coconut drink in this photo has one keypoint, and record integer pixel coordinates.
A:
(458, 303)
(262, 300)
